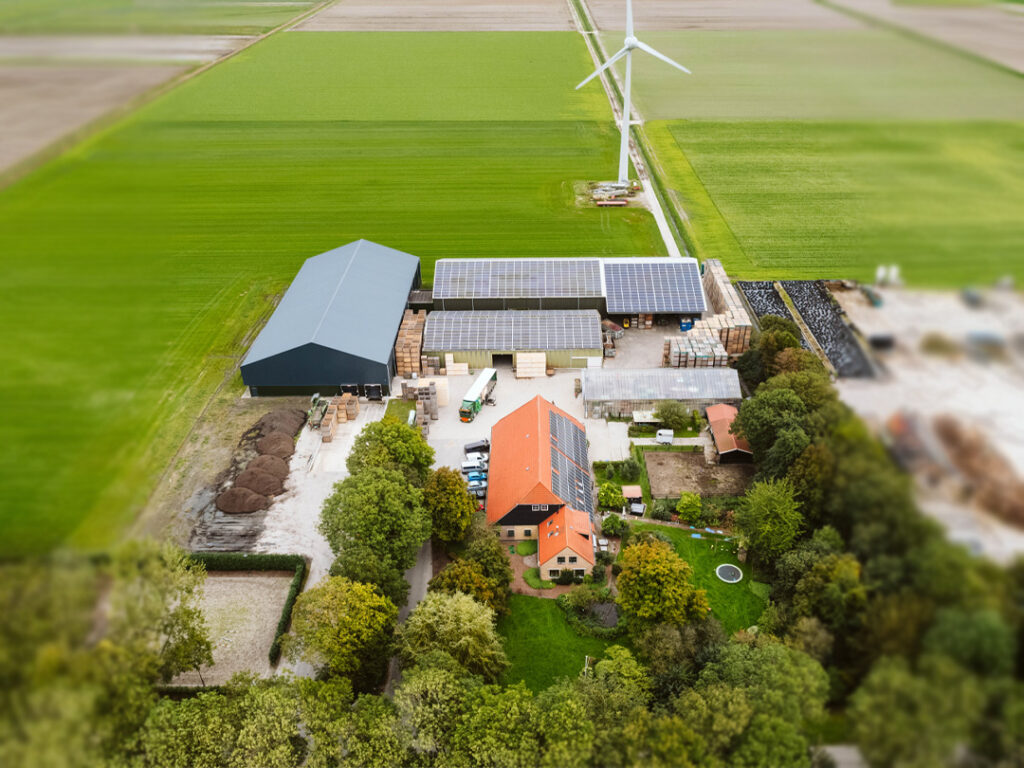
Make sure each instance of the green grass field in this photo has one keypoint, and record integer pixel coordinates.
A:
(737, 606)
(778, 199)
(138, 265)
(865, 74)
(239, 17)
(540, 644)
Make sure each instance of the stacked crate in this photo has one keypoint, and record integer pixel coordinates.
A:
(730, 323)
(430, 366)
(410, 342)
(645, 321)
(694, 351)
(455, 369)
(422, 418)
(339, 411)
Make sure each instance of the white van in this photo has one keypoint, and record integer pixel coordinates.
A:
(664, 437)
(473, 466)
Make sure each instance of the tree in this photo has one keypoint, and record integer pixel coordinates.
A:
(769, 417)
(485, 549)
(613, 526)
(690, 507)
(155, 615)
(769, 518)
(793, 360)
(609, 496)
(458, 625)
(812, 387)
(373, 736)
(391, 444)
(378, 514)
(447, 499)
(655, 585)
(899, 717)
(832, 591)
(618, 668)
(343, 626)
(468, 577)
(980, 641)
(811, 636)
(499, 729)
(673, 415)
(629, 469)
(361, 563)
(431, 701)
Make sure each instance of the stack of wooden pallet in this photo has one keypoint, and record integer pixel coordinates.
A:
(531, 365)
(455, 369)
(427, 395)
(430, 366)
(694, 351)
(645, 321)
(410, 342)
(340, 410)
(730, 322)
(422, 417)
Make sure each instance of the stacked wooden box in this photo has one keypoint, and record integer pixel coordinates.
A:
(410, 342)
(341, 409)
(694, 351)
(645, 321)
(422, 417)
(455, 369)
(730, 323)
(531, 365)
(430, 366)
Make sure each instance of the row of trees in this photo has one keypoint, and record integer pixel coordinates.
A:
(862, 582)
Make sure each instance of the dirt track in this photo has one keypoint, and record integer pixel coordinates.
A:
(442, 16)
(40, 105)
(719, 15)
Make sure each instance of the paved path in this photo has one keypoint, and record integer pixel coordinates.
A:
(699, 441)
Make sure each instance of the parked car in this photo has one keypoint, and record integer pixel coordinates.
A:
(477, 485)
(480, 493)
(664, 437)
(476, 456)
(480, 446)
(474, 476)
(473, 466)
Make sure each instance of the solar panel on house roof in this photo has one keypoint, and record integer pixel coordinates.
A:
(517, 278)
(570, 474)
(665, 285)
(512, 330)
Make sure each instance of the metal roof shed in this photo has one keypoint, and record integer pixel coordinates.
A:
(337, 323)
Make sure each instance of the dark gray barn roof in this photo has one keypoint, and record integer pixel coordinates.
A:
(350, 299)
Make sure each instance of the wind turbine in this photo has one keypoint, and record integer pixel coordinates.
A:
(627, 49)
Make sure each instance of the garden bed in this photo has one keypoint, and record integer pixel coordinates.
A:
(671, 473)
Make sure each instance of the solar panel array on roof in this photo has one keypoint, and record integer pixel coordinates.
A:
(516, 278)
(665, 285)
(512, 330)
(570, 480)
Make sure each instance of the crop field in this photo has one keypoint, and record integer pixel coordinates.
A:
(242, 17)
(809, 200)
(137, 266)
(860, 74)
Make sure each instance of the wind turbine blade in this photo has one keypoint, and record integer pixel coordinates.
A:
(629, 18)
(607, 64)
(647, 49)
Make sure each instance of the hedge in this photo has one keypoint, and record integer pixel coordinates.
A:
(251, 561)
(589, 628)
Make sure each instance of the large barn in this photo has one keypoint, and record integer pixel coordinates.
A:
(336, 326)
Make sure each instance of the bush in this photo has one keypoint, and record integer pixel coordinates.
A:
(613, 525)
(586, 626)
(250, 561)
(616, 569)
(690, 508)
(605, 558)
(629, 470)
(673, 415)
(598, 573)
(661, 512)
(609, 496)
(566, 577)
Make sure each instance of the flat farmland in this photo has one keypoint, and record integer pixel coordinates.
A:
(847, 74)
(242, 17)
(808, 200)
(442, 15)
(138, 265)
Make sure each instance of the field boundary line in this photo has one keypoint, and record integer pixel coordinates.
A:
(115, 117)
(913, 34)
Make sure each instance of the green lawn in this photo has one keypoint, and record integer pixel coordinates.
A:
(859, 74)
(239, 17)
(528, 547)
(399, 409)
(138, 266)
(737, 606)
(541, 645)
(781, 199)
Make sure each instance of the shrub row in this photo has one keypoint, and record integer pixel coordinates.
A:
(251, 561)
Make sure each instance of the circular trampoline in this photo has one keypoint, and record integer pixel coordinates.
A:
(730, 574)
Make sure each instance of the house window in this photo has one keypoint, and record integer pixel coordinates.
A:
(539, 507)
(553, 573)
(580, 572)
(561, 559)
(572, 559)
(527, 532)
(511, 533)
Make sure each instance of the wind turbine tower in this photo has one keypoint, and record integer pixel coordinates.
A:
(630, 44)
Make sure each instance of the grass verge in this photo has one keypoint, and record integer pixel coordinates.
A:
(532, 577)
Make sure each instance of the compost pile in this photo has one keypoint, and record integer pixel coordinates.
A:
(258, 477)
(765, 300)
(996, 486)
(824, 319)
